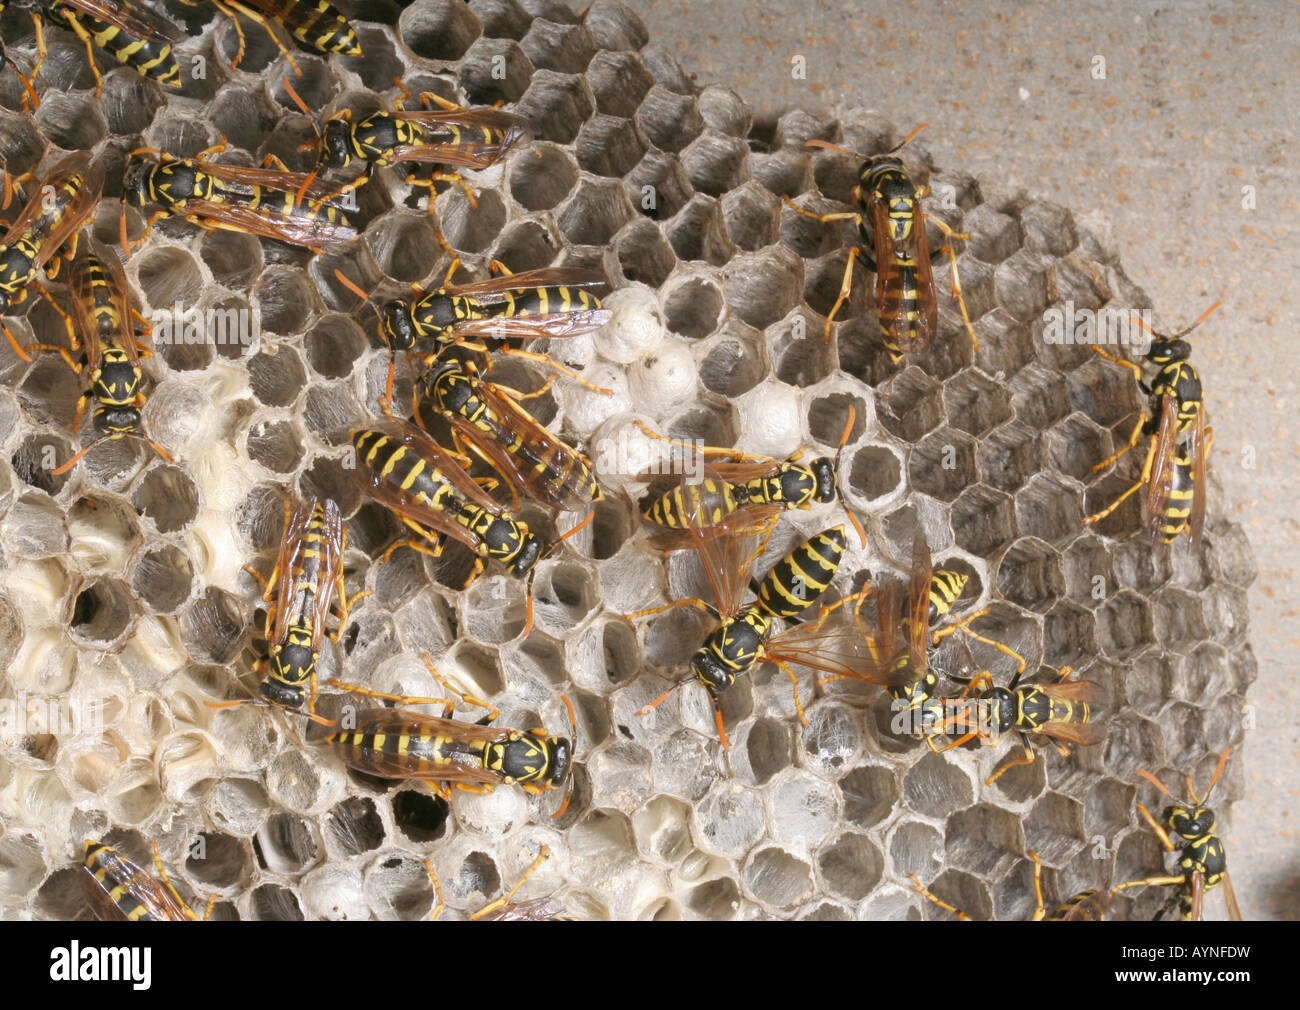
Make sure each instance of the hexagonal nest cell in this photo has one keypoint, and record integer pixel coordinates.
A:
(123, 581)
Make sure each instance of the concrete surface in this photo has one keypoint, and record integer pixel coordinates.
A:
(1198, 101)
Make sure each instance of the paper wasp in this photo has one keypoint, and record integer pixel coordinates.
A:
(288, 206)
(505, 908)
(316, 24)
(307, 577)
(487, 419)
(832, 643)
(447, 135)
(130, 33)
(397, 743)
(428, 488)
(1174, 472)
(548, 303)
(1061, 711)
(904, 635)
(895, 247)
(1086, 906)
(46, 230)
(120, 891)
(742, 490)
(1202, 857)
(105, 323)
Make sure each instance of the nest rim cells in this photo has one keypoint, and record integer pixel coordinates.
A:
(127, 617)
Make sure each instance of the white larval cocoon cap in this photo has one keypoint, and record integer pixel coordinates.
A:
(635, 329)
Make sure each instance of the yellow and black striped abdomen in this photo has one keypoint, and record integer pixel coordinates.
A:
(152, 58)
(542, 301)
(401, 467)
(1182, 494)
(317, 24)
(801, 576)
(386, 744)
(705, 503)
(946, 587)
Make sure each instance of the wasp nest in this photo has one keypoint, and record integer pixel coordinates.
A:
(123, 583)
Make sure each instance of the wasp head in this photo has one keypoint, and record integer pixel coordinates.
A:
(1163, 350)
(712, 674)
(1190, 823)
(824, 471)
(336, 143)
(397, 325)
(530, 552)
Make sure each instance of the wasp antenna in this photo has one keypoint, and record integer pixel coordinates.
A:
(1204, 316)
(904, 141)
(577, 529)
(647, 709)
(1218, 771)
(297, 100)
(828, 146)
(1155, 782)
(722, 729)
(352, 286)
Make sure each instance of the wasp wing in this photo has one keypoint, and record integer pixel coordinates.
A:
(460, 746)
(838, 643)
(1198, 449)
(130, 17)
(84, 295)
(551, 325)
(1084, 734)
(73, 214)
(1086, 907)
(553, 472)
(304, 231)
(145, 891)
(929, 304)
(1230, 898)
(1160, 486)
(308, 187)
(495, 289)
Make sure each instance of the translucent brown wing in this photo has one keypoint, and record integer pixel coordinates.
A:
(746, 519)
(567, 482)
(887, 276)
(925, 284)
(918, 600)
(304, 231)
(491, 119)
(464, 155)
(293, 548)
(494, 289)
(84, 295)
(149, 892)
(1230, 898)
(242, 179)
(1198, 897)
(1084, 734)
(76, 211)
(464, 764)
(552, 325)
(727, 549)
(1087, 691)
(537, 910)
(1198, 449)
(1160, 486)
(130, 17)
(838, 645)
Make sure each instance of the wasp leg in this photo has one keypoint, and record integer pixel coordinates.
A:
(916, 882)
(794, 682)
(956, 280)
(78, 29)
(506, 898)
(1027, 758)
(439, 905)
(962, 626)
(1097, 517)
(846, 288)
(1040, 910)
(1133, 440)
(162, 875)
(693, 601)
